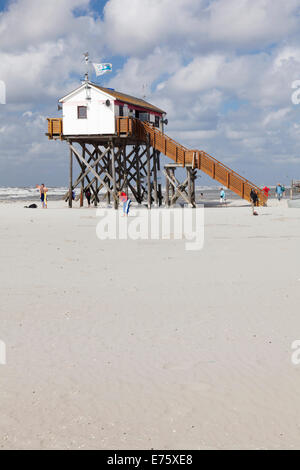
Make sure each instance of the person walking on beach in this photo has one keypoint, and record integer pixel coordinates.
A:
(279, 191)
(126, 202)
(222, 196)
(43, 195)
(266, 191)
(254, 200)
(88, 196)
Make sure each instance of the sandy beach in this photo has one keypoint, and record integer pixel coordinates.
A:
(142, 344)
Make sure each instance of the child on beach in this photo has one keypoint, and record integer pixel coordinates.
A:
(279, 191)
(222, 196)
(126, 202)
(43, 195)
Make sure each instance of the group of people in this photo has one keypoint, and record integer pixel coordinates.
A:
(254, 198)
(124, 199)
(126, 202)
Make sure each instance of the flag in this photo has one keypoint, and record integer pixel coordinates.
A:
(100, 69)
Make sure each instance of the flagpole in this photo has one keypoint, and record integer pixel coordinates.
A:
(87, 58)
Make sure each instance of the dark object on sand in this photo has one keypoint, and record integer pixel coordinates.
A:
(32, 206)
(255, 213)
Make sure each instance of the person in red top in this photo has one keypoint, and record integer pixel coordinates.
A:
(126, 202)
(266, 191)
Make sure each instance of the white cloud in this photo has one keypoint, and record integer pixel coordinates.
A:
(222, 69)
(33, 21)
(39, 59)
(276, 116)
(136, 26)
(244, 23)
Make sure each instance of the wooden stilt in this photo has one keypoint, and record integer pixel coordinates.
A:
(188, 170)
(96, 182)
(71, 177)
(113, 164)
(109, 170)
(160, 196)
(138, 175)
(149, 176)
(156, 201)
(173, 178)
(167, 188)
(82, 185)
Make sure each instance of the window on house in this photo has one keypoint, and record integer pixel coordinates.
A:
(82, 112)
(144, 116)
(156, 123)
(121, 111)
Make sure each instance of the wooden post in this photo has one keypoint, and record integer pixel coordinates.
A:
(160, 196)
(167, 190)
(172, 174)
(189, 185)
(149, 175)
(71, 178)
(82, 183)
(138, 174)
(125, 165)
(96, 182)
(156, 201)
(113, 168)
(109, 171)
(194, 186)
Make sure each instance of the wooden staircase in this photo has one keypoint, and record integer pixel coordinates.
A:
(198, 159)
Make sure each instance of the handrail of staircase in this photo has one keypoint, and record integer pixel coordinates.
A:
(232, 172)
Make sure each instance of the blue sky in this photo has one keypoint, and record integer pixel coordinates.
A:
(222, 69)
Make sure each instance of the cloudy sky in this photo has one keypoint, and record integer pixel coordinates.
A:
(222, 69)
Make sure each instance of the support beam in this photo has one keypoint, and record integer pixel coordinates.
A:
(89, 167)
(71, 177)
(149, 198)
(154, 158)
(160, 196)
(185, 190)
(167, 188)
(116, 164)
(114, 180)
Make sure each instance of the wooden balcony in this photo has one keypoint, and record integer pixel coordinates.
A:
(55, 128)
(125, 126)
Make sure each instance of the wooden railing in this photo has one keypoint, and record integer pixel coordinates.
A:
(55, 128)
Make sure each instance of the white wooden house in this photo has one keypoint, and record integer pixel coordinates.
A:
(92, 110)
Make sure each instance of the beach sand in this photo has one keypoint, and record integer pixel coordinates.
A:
(142, 344)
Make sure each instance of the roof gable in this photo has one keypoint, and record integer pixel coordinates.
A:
(82, 87)
(113, 94)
